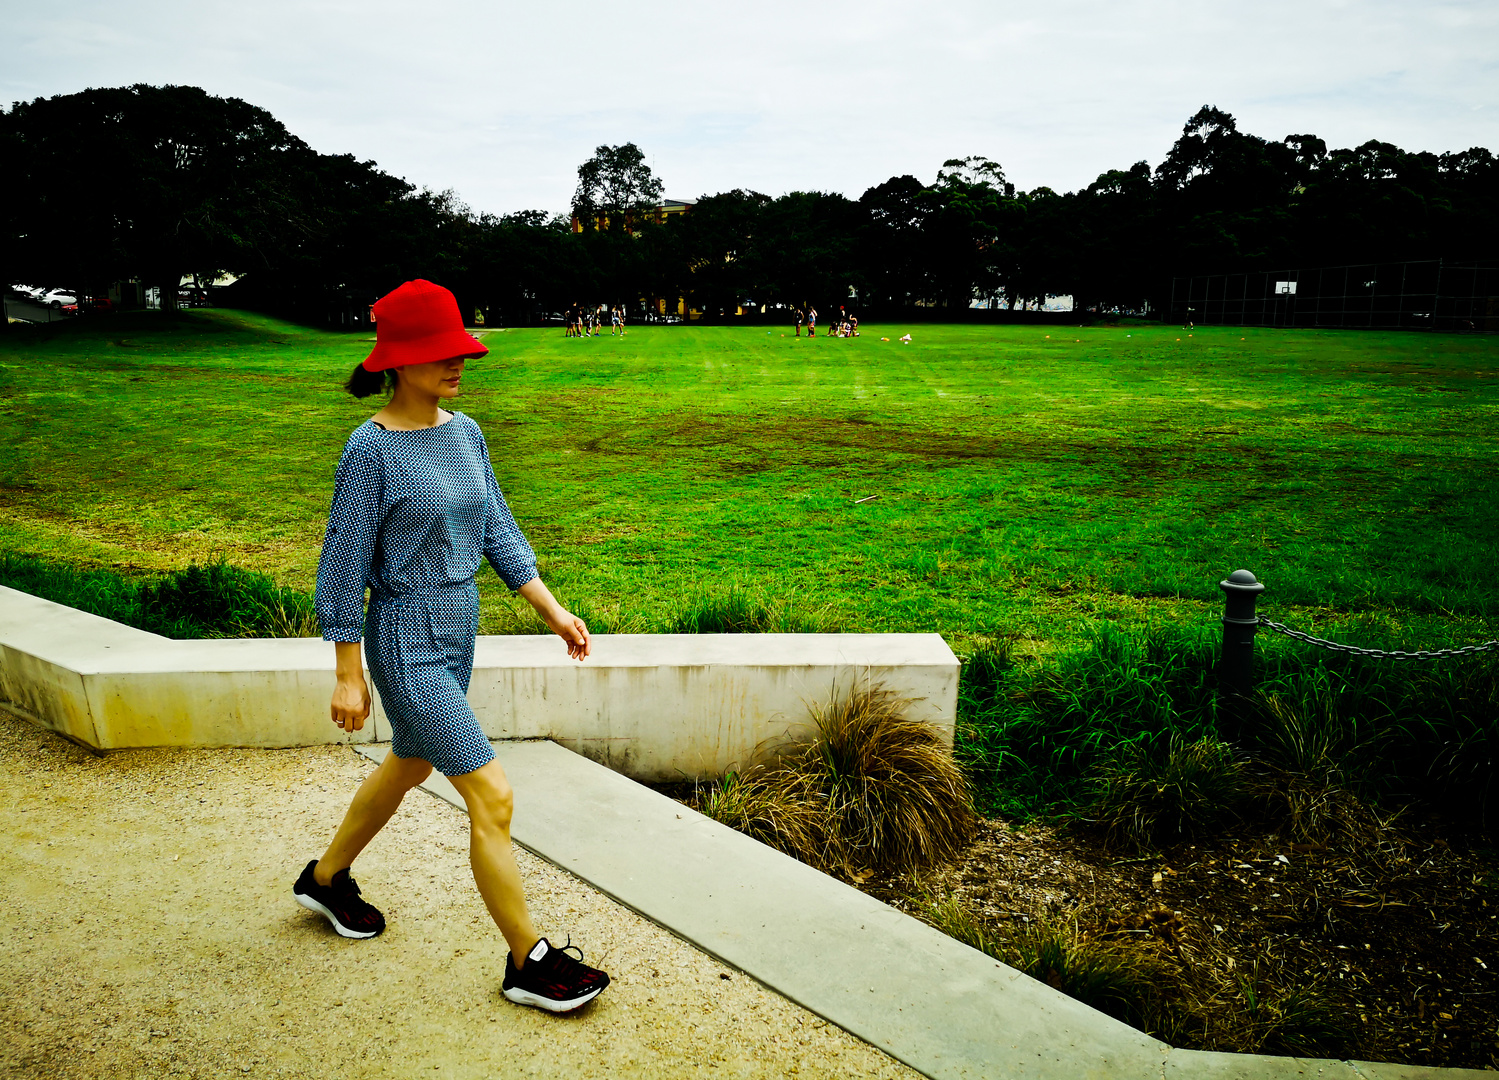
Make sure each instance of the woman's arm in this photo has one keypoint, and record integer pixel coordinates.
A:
(349, 545)
(564, 623)
(351, 695)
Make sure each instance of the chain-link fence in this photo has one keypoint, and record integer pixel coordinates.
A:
(1421, 295)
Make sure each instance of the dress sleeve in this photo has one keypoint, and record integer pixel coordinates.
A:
(349, 545)
(505, 545)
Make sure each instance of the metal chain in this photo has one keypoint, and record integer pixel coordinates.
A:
(1384, 654)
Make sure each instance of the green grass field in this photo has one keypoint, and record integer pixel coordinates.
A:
(1033, 482)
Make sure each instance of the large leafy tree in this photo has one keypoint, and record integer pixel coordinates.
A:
(616, 188)
(719, 260)
(155, 182)
(804, 253)
(968, 228)
(1227, 194)
(891, 251)
(525, 265)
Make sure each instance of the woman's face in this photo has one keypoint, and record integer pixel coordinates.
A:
(439, 378)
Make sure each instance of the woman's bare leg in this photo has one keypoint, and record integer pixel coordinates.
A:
(490, 801)
(374, 803)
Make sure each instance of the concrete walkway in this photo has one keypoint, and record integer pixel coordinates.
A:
(939, 1006)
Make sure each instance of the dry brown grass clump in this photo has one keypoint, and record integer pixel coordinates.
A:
(898, 797)
(776, 809)
(1150, 796)
(1154, 971)
(1097, 968)
(1307, 751)
(872, 789)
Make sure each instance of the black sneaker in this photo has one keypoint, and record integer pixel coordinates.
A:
(553, 980)
(339, 903)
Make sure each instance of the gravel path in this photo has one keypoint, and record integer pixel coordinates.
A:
(147, 929)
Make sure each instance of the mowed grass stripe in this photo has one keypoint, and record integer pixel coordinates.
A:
(1029, 485)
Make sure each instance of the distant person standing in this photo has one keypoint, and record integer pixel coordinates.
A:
(800, 318)
(811, 322)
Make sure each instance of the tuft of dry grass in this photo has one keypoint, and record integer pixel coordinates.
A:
(1251, 1013)
(777, 810)
(1317, 809)
(871, 789)
(1147, 797)
(1307, 751)
(897, 795)
(1114, 976)
(1156, 973)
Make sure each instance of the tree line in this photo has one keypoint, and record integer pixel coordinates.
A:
(154, 183)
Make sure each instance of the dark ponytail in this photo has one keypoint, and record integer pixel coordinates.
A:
(364, 382)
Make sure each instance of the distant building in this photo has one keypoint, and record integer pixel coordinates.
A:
(665, 209)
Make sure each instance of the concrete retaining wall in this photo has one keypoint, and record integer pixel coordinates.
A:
(653, 706)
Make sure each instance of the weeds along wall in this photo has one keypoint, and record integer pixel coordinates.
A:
(219, 600)
(212, 601)
(1042, 738)
(1036, 737)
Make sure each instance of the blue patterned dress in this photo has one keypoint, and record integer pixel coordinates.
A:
(414, 513)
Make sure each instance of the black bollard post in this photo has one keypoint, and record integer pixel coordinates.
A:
(1236, 665)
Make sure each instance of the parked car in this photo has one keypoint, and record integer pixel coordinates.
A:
(27, 292)
(91, 305)
(56, 298)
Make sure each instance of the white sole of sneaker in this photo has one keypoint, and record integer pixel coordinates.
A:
(525, 997)
(343, 931)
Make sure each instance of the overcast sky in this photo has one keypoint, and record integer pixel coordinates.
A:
(501, 101)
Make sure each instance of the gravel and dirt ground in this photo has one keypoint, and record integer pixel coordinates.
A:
(147, 929)
(1401, 938)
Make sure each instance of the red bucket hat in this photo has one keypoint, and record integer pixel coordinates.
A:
(417, 324)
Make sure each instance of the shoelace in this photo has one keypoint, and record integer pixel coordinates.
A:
(569, 947)
(566, 969)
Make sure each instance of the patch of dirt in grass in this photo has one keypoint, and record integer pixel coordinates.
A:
(1402, 942)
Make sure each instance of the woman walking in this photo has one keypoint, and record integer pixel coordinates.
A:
(415, 509)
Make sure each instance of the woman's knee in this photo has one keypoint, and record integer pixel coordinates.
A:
(490, 800)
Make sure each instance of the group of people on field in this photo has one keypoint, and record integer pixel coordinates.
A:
(586, 320)
(846, 325)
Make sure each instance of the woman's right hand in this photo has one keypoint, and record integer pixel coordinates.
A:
(351, 703)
